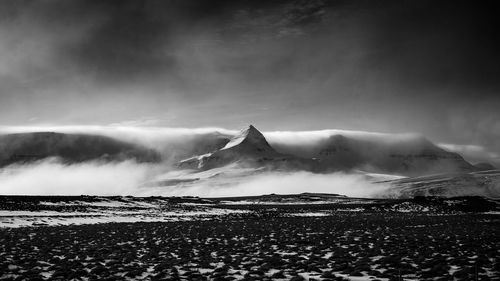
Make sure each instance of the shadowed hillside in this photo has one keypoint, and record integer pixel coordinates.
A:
(70, 148)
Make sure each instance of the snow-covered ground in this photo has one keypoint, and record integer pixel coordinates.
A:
(57, 218)
(17, 211)
(200, 238)
(485, 183)
(106, 211)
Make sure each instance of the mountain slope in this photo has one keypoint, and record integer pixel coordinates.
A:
(409, 155)
(249, 149)
(249, 142)
(484, 166)
(485, 183)
(70, 148)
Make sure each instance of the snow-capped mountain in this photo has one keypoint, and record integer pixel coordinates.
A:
(248, 149)
(408, 156)
(411, 164)
(414, 156)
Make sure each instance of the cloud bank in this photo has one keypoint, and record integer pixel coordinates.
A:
(91, 178)
(282, 183)
(472, 153)
(167, 140)
(151, 135)
(130, 178)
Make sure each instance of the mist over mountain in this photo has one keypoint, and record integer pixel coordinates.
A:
(70, 148)
(411, 155)
(408, 155)
(219, 162)
(249, 149)
(485, 166)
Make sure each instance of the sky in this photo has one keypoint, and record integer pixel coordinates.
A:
(428, 67)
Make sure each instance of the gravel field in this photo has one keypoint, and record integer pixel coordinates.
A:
(261, 245)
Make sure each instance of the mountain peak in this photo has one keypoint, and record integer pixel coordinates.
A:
(251, 132)
(249, 135)
(251, 127)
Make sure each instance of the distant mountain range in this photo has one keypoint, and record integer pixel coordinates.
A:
(411, 156)
(249, 149)
(69, 148)
(412, 165)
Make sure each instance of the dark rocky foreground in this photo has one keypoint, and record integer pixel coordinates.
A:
(261, 245)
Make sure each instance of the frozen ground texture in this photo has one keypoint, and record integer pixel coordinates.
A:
(261, 246)
(272, 237)
(20, 211)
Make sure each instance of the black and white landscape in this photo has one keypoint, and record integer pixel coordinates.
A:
(249, 140)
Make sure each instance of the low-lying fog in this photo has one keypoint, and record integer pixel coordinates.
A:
(129, 178)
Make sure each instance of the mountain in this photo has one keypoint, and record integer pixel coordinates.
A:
(407, 155)
(483, 183)
(70, 148)
(484, 166)
(250, 142)
(248, 149)
(340, 153)
(176, 149)
(402, 155)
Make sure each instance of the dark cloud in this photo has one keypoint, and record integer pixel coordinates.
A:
(440, 43)
(422, 42)
(394, 66)
(137, 39)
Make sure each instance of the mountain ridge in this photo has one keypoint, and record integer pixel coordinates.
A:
(407, 155)
(413, 157)
(248, 148)
(69, 148)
